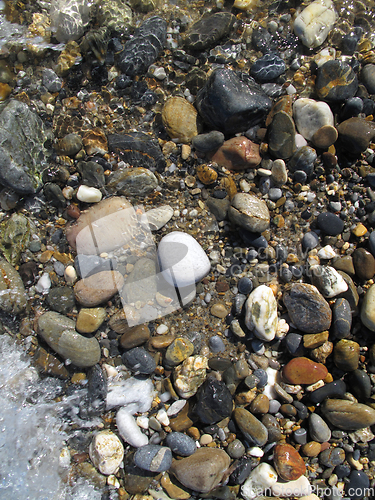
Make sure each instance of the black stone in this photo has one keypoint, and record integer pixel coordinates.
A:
(241, 472)
(139, 360)
(360, 384)
(96, 390)
(302, 410)
(137, 149)
(267, 68)
(310, 240)
(252, 239)
(214, 402)
(303, 159)
(294, 344)
(336, 81)
(262, 376)
(300, 176)
(92, 174)
(330, 223)
(61, 299)
(335, 389)
(245, 285)
(262, 40)
(28, 272)
(359, 482)
(349, 44)
(353, 107)
(232, 101)
(208, 31)
(54, 195)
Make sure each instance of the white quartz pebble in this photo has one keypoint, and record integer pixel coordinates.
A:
(298, 488)
(89, 194)
(70, 275)
(129, 430)
(314, 23)
(44, 284)
(261, 313)
(260, 478)
(162, 417)
(137, 394)
(326, 252)
(143, 421)
(176, 407)
(106, 452)
(328, 281)
(311, 115)
(300, 141)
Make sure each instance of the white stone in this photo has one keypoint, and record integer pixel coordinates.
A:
(260, 478)
(89, 194)
(326, 252)
(272, 376)
(314, 23)
(255, 451)
(299, 488)
(311, 115)
(328, 281)
(300, 141)
(70, 275)
(44, 284)
(143, 421)
(106, 452)
(162, 417)
(176, 407)
(182, 260)
(136, 394)
(325, 55)
(129, 430)
(261, 313)
(158, 217)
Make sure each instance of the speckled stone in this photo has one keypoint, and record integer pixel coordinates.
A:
(335, 81)
(355, 134)
(208, 31)
(180, 119)
(288, 462)
(261, 313)
(139, 360)
(328, 281)
(332, 457)
(178, 351)
(346, 355)
(206, 174)
(348, 415)
(304, 371)
(364, 264)
(253, 430)
(281, 136)
(190, 375)
(307, 308)
(238, 153)
(249, 212)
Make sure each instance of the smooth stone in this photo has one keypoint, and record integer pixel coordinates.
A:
(60, 334)
(236, 449)
(267, 68)
(249, 212)
(337, 388)
(252, 429)
(261, 313)
(181, 444)
(345, 264)
(279, 173)
(364, 264)
(139, 150)
(351, 295)
(299, 488)
(232, 102)
(70, 145)
(327, 252)
(61, 299)
(214, 402)
(300, 435)
(98, 288)
(97, 390)
(180, 119)
(314, 23)
(335, 81)
(294, 344)
(139, 360)
(311, 449)
(368, 309)
(219, 208)
(245, 285)
(328, 281)
(355, 134)
(182, 260)
(288, 462)
(141, 284)
(13, 297)
(203, 470)
(304, 371)
(132, 181)
(318, 429)
(129, 430)
(153, 458)
(359, 485)
(360, 384)
(347, 415)
(342, 318)
(272, 425)
(206, 174)
(307, 308)
(346, 355)
(330, 223)
(311, 115)
(190, 375)
(89, 194)
(368, 77)
(178, 351)
(209, 141)
(332, 457)
(54, 195)
(310, 240)
(158, 217)
(261, 478)
(89, 320)
(238, 153)
(135, 336)
(314, 340)
(106, 452)
(208, 30)
(281, 136)
(260, 405)
(325, 137)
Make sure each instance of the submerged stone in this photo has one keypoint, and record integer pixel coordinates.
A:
(137, 149)
(14, 237)
(208, 30)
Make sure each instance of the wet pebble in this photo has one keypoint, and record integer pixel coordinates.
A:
(360, 384)
(281, 135)
(214, 402)
(89, 320)
(288, 462)
(346, 355)
(314, 23)
(181, 444)
(134, 336)
(98, 288)
(267, 68)
(358, 485)
(209, 141)
(139, 361)
(318, 429)
(253, 430)
(261, 313)
(355, 134)
(368, 309)
(235, 449)
(311, 115)
(216, 344)
(178, 351)
(180, 119)
(106, 452)
(238, 153)
(342, 318)
(364, 263)
(335, 81)
(304, 371)
(334, 389)
(61, 299)
(332, 457)
(153, 458)
(348, 415)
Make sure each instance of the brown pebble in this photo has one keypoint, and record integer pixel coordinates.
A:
(194, 433)
(325, 137)
(346, 355)
(311, 449)
(260, 405)
(288, 462)
(314, 340)
(219, 310)
(321, 353)
(135, 337)
(162, 341)
(73, 211)
(181, 422)
(238, 153)
(303, 371)
(221, 286)
(206, 174)
(364, 264)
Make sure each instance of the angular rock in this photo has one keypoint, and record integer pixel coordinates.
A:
(348, 415)
(12, 292)
(288, 462)
(303, 371)
(214, 402)
(178, 351)
(98, 288)
(261, 313)
(238, 153)
(14, 237)
(314, 23)
(249, 212)
(106, 452)
(190, 375)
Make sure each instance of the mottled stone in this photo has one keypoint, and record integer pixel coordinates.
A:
(288, 462)
(180, 119)
(261, 313)
(206, 174)
(190, 375)
(328, 281)
(348, 415)
(304, 371)
(346, 355)
(335, 81)
(267, 68)
(314, 23)
(253, 430)
(311, 115)
(134, 337)
(106, 452)
(342, 318)
(355, 134)
(249, 212)
(136, 181)
(14, 237)
(208, 31)
(178, 351)
(98, 288)
(238, 153)
(12, 292)
(153, 458)
(281, 136)
(139, 360)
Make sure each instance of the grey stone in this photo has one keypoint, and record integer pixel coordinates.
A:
(181, 444)
(249, 212)
(61, 299)
(51, 81)
(153, 457)
(139, 361)
(12, 290)
(136, 181)
(318, 429)
(141, 283)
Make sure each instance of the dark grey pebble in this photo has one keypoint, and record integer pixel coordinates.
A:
(139, 360)
(54, 195)
(303, 159)
(371, 241)
(273, 90)
(330, 223)
(294, 344)
(300, 436)
(300, 176)
(96, 391)
(61, 299)
(238, 303)
(352, 107)
(214, 403)
(51, 81)
(285, 274)
(336, 81)
(368, 77)
(245, 285)
(219, 364)
(359, 482)
(302, 410)
(218, 207)
(342, 318)
(342, 471)
(360, 384)
(216, 344)
(267, 68)
(70, 145)
(153, 458)
(262, 376)
(335, 389)
(209, 141)
(273, 427)
(310, 240)
(253, 239)
(332, 457)
(242, 470)
(28, 272)
(181, 444)
(92, 173)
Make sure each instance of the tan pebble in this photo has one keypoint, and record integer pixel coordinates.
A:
(78, 378)
(359, 230)
(162, 341)
(194, 433)
(219, 311)
(314, 340)
(185, 151)
(70, 275)
(89, 320)
(45, 256)
(205, 439)
(173, 491)
(206, 174)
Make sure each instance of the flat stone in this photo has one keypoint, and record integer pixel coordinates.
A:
(203, 470)
(153, 457)
(325, 137)
(288, 462)
(314, 23)
(303, 371)
(249, 212)
(267, 68)
(311, 115)
(98, 288)
(335, 81)
(342, 318)
(136, 181)
(139, 360)
(180, 119)
(178, 351)
(208, 31)
(346, 355)
(12, 291)
(348, 415)
(209, 141)
(261, 313)
(355, 134)
(328, 281)
(106, 452)
(368, 309)
(214, 402)
(281, 136)
(238, 153)
(337, 388)
(252, 429)
(89, 320)
(307, 308)
(135, 336)
(364, 264)
(330, 223)
(318, 429)
(232, 102)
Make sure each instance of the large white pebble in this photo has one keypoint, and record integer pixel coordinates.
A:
(129, 430)
(89, 194)
(136, 394)
(106, 452)
(311, 115)
(299, 488)
(315, 22)
(260, 478)
(261, 313)
(182, 260)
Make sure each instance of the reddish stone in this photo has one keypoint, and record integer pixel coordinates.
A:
(288, 462)
(73, 211)
(304, 371)
(238, 153)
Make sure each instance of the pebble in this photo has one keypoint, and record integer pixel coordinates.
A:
(307, 308)
(181, 444)
(267, 68)
(368, 77)
(135, 336)
(303, 371)
(347, 415)
(139, 150)
(136, 181)
(180, 119)
(139, 361)
(337, 388)
(335, 81)
(346, 355)
(238, 153)
(89, 320)
(12, 290)
(355, 134)
(364, 264)
(314, 23)
(214, 402)
(98, 288)
(261, 313)
(252, 429)
(178, 351)
(209, 141)
(261, 478)
(279, 174)
(216, 344)
(311, 449)
(360, 384)
(303, 160)
(311, 115)
(325, 137)
(153, 458)
(330, 223)
(236, 449)
(332, 457)
(182, 259)
(208, 31)
(318, 429)
(158, 217)
(203, 470)
(368, 309)
(232, 102)
(288, 462)
(358, 485)
(328, 281)
(60, 334)
(281, 136)
(190, 375)
(300, 488)
(219, 310)
(249, 212)
(43, 284)
(206, 174)
(106, 452)
(310, 240)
